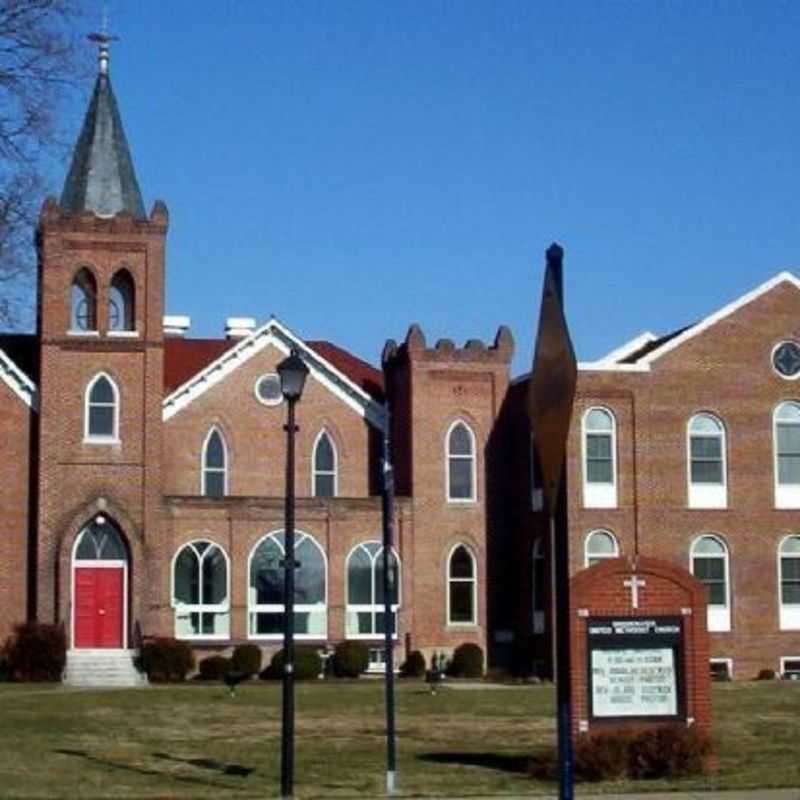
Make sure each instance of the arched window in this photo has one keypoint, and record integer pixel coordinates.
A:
(365, 598)
(100, 541)
(599, 546)
(710, 564)
(786, 437)
(599, 459)
(83, 302)
(200, 592)
(324, 478)
(265, 589)
(707, 469)
(460, 463)
(121, 302)
(539, 588)
(215, 465)
(789, 578)
(461, 587)
(101, 422)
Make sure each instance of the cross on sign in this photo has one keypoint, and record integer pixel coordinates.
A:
(633, 584)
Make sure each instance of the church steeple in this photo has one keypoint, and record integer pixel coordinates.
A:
(101, 178)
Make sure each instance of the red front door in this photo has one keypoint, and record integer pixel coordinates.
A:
(98, 606)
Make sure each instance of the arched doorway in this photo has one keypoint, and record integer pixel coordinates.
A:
(99, 587)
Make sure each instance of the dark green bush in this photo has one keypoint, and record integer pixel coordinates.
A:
(36, 652)
(213, 668)
(5, 674)
(467, 661)
(165, 659)
(602, 756)
(350, 659)
(673, 751)
(414, 666)
(307, 664)
(767, 675)
(247, 658)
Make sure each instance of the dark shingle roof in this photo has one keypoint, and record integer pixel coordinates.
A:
(101, 178)
(648, 348)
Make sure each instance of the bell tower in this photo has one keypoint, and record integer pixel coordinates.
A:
(100, 313)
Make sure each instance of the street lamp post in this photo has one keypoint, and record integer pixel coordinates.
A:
(292, 372)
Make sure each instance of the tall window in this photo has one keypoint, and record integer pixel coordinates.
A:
(121, 308)
(599, 546)
(215, 465)
(461, 587)
(539, 588)
(707, 473)
(83, 314)
(200, 592)
(365, 598)
(324, 466)
(710, 564)
(789, 569)
(460, 463)
(599, 456)
(787, 455)
(101, 422)
(537, 492)
(265, 589)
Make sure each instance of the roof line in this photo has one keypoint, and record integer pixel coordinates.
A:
(626, 349)
(720, 314)
(18, 382)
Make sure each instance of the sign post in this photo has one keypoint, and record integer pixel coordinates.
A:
(550, 396)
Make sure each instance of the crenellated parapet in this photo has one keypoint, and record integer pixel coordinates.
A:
(53, 218)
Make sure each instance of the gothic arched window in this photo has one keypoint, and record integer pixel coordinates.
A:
(83, 302)
(200, 592)
(121, 302)
(365, 598)
(101, 420)
(325, 466)
(215, 465)
(460, 463)
(462, 608)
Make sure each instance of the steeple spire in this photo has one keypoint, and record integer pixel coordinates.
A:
(101, 177)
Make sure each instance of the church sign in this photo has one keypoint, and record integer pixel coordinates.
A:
(634, 667)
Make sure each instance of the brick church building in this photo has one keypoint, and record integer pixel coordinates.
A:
(143, 479)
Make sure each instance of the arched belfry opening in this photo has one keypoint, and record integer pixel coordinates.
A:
(100, 586)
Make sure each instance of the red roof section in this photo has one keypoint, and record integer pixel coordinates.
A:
(184, 358)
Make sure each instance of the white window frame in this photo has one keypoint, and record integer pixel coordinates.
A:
(719, 617)
(783, 661)
(315, 471)
(788, 613)
(787, 495)
(537, 490)
(473, 498)
(597, 557)
(707, 495)
(203, 469)
(539, 614)
(185, 609)
(473, 580)
(88, 437)
(728, 663)
(597, 494)
(373, 608)
(276, 608)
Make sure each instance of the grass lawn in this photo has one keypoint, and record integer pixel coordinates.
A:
(194, 741)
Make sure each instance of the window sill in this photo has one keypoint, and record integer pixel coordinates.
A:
(110, 440)
(124, 334)
(223, 637)
(466, 501)
(278, 637)
(72, 332)
(368, 637)
(464, 625)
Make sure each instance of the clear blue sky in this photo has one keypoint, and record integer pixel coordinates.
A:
(352, 167)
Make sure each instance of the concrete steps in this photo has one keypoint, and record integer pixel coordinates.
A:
(99, 668)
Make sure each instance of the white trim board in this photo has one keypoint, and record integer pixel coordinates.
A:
(19, 383)
(279, 336)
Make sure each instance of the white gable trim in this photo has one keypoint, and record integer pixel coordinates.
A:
(19, 383)
(279, 336)
(625, 350)
(724, 312)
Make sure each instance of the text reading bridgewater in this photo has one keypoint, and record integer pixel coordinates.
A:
(634, 683)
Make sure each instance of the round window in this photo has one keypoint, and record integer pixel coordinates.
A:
(268, 390)
(786, 360)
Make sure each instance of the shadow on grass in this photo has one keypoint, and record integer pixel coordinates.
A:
(502, 762)
(102, 762)
(208, 763)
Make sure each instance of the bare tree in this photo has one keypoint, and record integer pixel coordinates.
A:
(40, 62)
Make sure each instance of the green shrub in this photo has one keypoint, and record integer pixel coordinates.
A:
(767, 675)
(165, 659)
(5, 674)
(414, 666)
(247, 658)
(350, 659)
(213, 668)
(467, 661)
(670, 752)
(36, 652)
(307, 664)
(602, 756)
